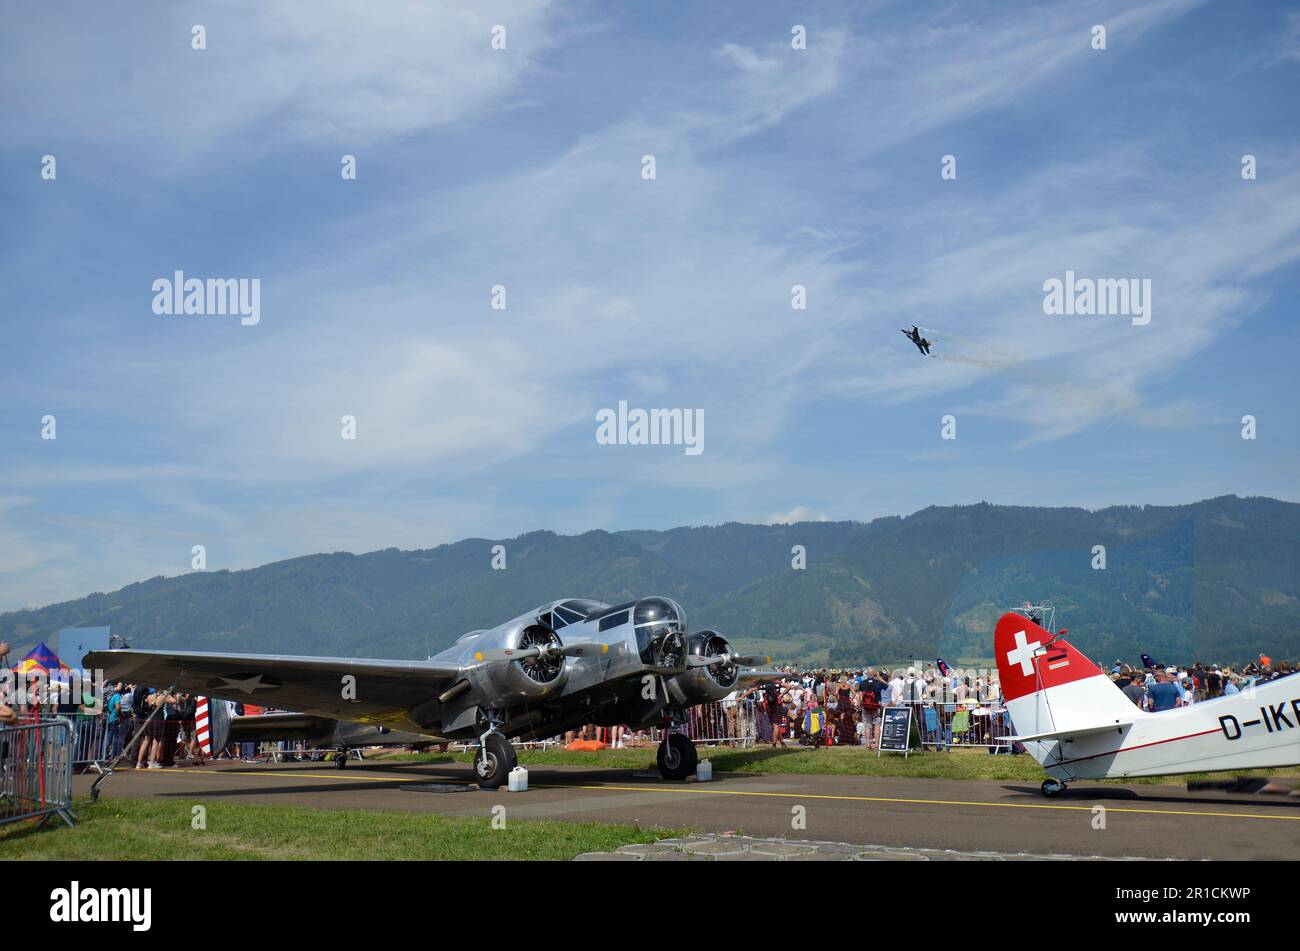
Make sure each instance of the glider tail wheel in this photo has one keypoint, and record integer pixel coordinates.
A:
(1052, 787)
(677, 757)
(494, 761)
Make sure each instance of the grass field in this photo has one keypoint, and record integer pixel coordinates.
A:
(155, 830)
(808, 652)
(840, 760)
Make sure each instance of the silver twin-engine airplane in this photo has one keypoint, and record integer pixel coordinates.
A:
(562, 665)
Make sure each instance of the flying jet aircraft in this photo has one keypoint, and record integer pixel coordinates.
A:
(914, 335)
(1077, 724)
(560, 666)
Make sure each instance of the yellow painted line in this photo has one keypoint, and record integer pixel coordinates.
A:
(930, 802)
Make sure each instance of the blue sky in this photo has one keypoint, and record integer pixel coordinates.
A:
(522, 167)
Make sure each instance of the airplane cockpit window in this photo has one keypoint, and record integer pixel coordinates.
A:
(583, 607)
(610, 621)
(564, 615)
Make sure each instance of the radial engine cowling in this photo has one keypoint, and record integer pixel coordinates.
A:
(531, 678)
(704, 684)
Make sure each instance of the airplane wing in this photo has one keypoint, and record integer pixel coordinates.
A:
(384, 690)
(316, 731)
(280, 726)
(1067, 734)
(751, 676)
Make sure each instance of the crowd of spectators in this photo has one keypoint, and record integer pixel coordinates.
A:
(843, 707)
(1155, 688)
(807, 707)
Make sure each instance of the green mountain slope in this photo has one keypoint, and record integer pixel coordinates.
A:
(1216, 580)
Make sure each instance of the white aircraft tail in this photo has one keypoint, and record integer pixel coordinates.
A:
(1053, 691)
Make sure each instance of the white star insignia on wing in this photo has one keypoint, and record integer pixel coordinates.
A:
(248, 684)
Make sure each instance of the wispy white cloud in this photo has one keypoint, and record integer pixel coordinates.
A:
(304, 71)
(956, 61)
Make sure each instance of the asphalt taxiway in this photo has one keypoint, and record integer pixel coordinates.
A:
(967, 816)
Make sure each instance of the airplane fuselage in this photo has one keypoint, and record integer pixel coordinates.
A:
(628, 672)
(1257, 728)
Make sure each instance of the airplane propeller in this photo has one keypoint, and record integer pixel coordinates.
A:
(541, 650)
(742, 660)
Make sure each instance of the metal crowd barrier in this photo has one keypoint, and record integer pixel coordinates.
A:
(722, 721)
(739, 723)
(286, 750)
(36, 771)
(744, 723)
(91, 742)
(948, 725)
(938, 724)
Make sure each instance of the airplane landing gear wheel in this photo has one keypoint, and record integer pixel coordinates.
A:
(341, 759)
(1052, 787)
(495, 759)
(677, 757)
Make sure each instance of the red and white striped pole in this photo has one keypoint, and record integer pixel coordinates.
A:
(201, 728)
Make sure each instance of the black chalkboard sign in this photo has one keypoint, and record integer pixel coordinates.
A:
(895, 730)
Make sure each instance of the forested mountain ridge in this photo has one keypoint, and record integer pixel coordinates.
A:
(1215, 580)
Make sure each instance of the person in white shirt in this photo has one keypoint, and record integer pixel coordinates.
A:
(913, 687)
(896, 688)
(731, 716)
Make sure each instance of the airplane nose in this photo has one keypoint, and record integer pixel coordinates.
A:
(658, 611)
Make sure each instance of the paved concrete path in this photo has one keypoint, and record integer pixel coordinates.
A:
(726, 848)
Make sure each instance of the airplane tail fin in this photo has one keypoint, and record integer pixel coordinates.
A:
(1051, 689)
